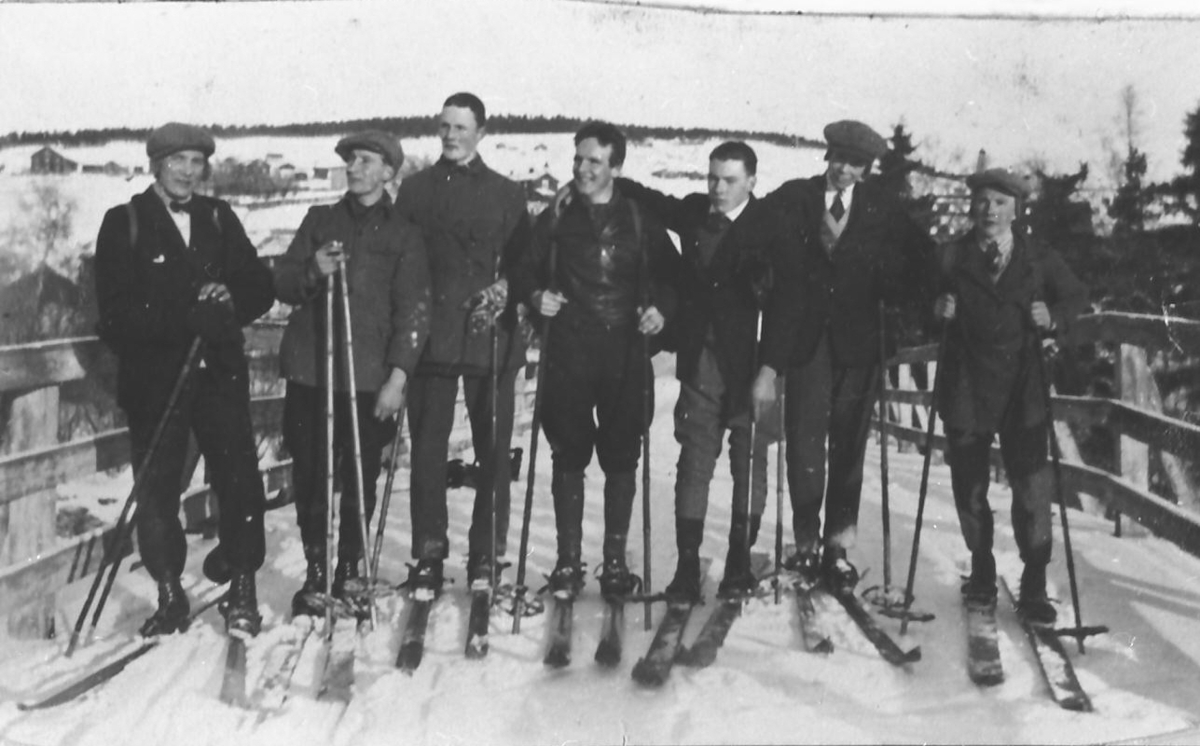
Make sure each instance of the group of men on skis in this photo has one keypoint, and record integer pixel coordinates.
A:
(787, 286)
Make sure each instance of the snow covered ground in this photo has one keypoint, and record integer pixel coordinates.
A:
(1144, 676)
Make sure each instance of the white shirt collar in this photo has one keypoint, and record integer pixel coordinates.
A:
(831, 194)
(735, 212)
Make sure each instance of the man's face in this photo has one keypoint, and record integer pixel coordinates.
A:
(460, 134)
(843, 174)
(593, 169)
(366, 173)
(728, 184)
(993, 212)
(180, 173)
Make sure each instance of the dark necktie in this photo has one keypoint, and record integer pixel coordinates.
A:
(838, 208)
(991, 253)
(177, 206)
(717, 222)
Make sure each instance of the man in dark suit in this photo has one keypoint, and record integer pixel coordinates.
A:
(387, 274)
(851, 246)
(474, 221)
(170, 266)
(727, 239)
(1003, 293)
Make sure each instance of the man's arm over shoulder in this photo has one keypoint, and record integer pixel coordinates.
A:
(672, 211)
(411, 300)
(248, 279)
(665, 265)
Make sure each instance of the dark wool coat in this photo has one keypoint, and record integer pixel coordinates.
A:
(721, 295)
(992, 377)
(471, 219)
(388, 276)
(881, 255)
(145, 291)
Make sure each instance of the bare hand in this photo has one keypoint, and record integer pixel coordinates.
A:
(391, 395)
(215, 291)
(651, 322)
(328, 258)
(1041, 315)
(547, 302)
(762, 394)
(944, 307)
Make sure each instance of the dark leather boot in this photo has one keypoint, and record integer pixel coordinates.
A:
(215, 567)
(172, 613)
(615, 578)
(241, 606)
(567, 489)
(738, 580)
(980, 587)
(685, 586)
(306, 602)
(1032, 602)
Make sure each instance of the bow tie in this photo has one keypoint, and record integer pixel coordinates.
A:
(177, 206)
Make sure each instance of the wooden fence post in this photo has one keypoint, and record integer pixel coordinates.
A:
(1133, 377)
(27, 523)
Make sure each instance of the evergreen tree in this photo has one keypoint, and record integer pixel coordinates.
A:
(1128, 206)
(1186, 188)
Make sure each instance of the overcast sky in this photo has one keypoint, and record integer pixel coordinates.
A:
(1020, 87)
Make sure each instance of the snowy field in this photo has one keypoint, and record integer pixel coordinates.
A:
(1143, 677)
(517, 156)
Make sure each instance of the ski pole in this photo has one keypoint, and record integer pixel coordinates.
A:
(883, 455)
(647, 414)
(912, 562)
(355, 435)
(1055, 461)
(753, 431)
(780, 481)
(393, 463)
(534, 429)
(123, 530)
(331, 512)
(494, 472)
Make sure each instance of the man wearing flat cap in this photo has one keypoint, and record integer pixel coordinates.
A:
(475, 222)
(851, 248)
(173, 265)
(387, 273)
(1002, 293)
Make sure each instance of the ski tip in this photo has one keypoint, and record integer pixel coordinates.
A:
(607, 655)
(912, 656)
(824, 646)
(648, 675)
(557, 659)
(696, 657)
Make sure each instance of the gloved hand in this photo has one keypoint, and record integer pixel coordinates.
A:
(213, 322)
(486, 304)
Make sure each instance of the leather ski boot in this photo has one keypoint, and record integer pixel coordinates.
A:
(307, 601)
(738, 580)
(172, 613)
(1032, 601)
(980, 587)
(615, 578)
(216, 568)
(241, 606)
(840, 576)
(685, 586)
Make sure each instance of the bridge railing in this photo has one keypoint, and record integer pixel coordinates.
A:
(1142, 432)
(40, 552)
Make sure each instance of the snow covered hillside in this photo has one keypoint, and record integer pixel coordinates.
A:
(1143, 677)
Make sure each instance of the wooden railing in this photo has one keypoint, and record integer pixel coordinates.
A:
(35, 560)
(1136, 419)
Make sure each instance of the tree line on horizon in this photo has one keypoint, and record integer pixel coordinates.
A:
(425, 126)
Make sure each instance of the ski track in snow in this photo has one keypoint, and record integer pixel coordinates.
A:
(763, 688)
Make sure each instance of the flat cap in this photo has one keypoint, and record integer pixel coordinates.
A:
(854, 141)
(1002, 180)
(173, 137)
(376, 141)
